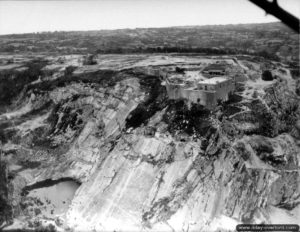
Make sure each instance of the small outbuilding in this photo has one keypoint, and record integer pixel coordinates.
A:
(214, 69)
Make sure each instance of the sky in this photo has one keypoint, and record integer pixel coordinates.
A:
(24, 16)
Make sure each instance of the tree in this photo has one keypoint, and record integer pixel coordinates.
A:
(69, 70)
(267, 76)
(255, 94)
(89, 60)
(179, 70)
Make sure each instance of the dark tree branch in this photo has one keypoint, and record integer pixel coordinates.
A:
(274, 9)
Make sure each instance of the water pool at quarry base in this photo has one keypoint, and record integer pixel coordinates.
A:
(51, 201)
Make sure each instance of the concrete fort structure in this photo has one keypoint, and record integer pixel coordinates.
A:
(205, 92)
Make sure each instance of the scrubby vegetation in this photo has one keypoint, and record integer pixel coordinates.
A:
(156, 100)
(6, 213)
(228, 39)
(13, 81)
(182, 119)
(280, 116)
(267, 76)
(90, 60)
(105, 78)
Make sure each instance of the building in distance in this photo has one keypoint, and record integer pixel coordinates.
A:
(214, 69)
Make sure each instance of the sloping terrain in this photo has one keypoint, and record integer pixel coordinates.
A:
(126, 158)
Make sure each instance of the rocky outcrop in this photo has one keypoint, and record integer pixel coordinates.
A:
(148, 164)
(6, 214)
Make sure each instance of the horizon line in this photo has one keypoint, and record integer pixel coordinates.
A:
(132, 28)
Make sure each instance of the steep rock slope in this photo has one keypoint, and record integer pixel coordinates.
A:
(145, 163)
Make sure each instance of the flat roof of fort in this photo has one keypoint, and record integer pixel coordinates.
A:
(214, 80)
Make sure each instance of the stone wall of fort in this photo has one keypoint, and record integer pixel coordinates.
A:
(208, 98)
(205, 98)
(224, 89)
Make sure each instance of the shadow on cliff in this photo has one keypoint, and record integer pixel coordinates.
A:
(105, 78)
(156, 100)
(13, 82)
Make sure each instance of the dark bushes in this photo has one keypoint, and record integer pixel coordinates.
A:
(6, 213)
(12, 82)
(89, 60)
(267, 76)
(181, 118)
(268, 124)
(156, 101)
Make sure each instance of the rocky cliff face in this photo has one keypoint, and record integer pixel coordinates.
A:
(145, 163)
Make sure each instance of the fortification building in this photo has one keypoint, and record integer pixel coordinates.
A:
(205, 92)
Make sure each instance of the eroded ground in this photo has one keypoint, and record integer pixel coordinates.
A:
(101, 147)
